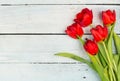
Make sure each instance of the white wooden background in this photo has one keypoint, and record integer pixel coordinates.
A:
(32, 31)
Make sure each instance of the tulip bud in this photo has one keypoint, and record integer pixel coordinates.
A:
(99, 33)
(74, 30)
(84, 18)
(108, 17)
(91, 47)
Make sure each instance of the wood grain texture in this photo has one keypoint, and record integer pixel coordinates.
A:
(59, 2)
(38, 48)
(30, 72)
(46, 19)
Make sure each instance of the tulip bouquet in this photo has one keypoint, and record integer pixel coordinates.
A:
(100, 48)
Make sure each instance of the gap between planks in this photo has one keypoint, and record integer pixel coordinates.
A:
(40, 34)
(37, 34)
(69, 63)
(52, 4)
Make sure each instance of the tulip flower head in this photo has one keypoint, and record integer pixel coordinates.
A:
(91, 47)
(108, 17)
(99, 33)
(85, 17)
(74, 30)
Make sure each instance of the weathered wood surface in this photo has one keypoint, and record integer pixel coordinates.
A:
(46, 72)
(32, 31)
(38, 48)
(46, 19)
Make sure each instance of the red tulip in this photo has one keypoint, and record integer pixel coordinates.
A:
(91, 47)
(99, 33)
(84, 18)
(108, 17)
(74, 30)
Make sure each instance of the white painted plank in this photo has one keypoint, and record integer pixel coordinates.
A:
(46, 19)
(29, 72)
(36, 48)
(59, 2)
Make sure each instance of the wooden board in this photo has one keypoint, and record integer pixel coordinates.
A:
(46, 19)
(38, 48)
(59, 2)
(46, 72)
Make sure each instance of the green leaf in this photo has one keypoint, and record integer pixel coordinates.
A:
(98, 68)
(118, 73)
(102, 60)
(110, 75)
(109, 40)
(75, 57)
(116, 58)
(102, 51)
(106, 73)
(117, 42)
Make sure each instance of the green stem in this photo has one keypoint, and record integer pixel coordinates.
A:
(97, 58)
(112, 31)
(81, 40)
(110, 63)
(91, 25)
(115, 67)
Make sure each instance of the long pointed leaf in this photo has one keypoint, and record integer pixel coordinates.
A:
(118, 73)
(102, 60)
(102, 51)
(109, 40)
(116, 58)
(75, 57)
(117, 42)
(98, 68)
(106, 73)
